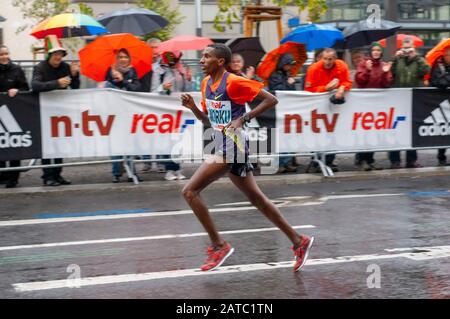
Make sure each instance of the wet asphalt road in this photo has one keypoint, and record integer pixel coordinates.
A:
(397, 242)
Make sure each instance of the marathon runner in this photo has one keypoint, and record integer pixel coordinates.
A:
(223, 101)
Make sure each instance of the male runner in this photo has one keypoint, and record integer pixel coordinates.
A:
(223, 99)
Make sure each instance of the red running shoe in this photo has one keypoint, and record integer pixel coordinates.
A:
(216, 257)
(302, 252)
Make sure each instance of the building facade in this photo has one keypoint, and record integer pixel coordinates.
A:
(428, 19)
(21, 44)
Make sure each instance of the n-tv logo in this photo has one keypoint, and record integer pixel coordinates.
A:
(438, 123)
(11, 134)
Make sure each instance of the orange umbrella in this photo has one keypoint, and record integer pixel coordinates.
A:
(269, 65)
(97, 57)
(400, 37)
(437, 51)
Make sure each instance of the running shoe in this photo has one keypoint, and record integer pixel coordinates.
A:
(216, 257)
(302, 252)
(180, 175)
(170, 176)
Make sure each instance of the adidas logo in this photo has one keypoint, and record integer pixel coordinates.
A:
(438, 123)
(11, 134)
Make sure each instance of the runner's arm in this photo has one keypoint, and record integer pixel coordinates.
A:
(188, 102)
(268, 101)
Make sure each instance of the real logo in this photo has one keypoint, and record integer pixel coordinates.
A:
(11, 134)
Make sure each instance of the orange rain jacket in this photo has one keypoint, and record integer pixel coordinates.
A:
(317, 77)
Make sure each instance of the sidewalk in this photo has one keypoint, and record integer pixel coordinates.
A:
(97, 177)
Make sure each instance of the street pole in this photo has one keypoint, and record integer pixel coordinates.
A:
(198, 9)
(391, 13)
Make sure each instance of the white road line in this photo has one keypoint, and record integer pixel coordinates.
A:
(130, 239)
(288, 202)
(431, 253)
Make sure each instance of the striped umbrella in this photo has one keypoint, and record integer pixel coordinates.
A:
(68, 25)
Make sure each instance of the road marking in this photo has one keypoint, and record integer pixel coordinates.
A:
(426, 253)
(130, 239)
(97, 213)
(294, 201)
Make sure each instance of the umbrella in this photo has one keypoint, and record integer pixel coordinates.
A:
(269, 65)
(437, 51)
(136, 21)
(184, 42)
(361, 34)
(315, 36)
(2, 19)
(400, 37)
(250, 49)
(68, 25)
(98, 56)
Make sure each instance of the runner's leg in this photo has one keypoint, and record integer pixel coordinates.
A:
(249, 187)
(207, 173)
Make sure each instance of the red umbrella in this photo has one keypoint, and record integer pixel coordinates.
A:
(437, 51)
(184, 42)
(97, 57)
(400, 37)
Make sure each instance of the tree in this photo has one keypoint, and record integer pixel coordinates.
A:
(230, 10)
(162, 7)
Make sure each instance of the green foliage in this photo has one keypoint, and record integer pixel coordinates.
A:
(230, 10)
(162, 7)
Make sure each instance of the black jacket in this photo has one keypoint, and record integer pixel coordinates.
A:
(278, 79)
(130, 81)
(12, 77)
(45, 77)
(440, 75)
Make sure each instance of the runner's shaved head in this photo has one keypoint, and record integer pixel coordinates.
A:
(221, 51)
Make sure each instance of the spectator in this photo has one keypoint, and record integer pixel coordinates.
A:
(372, 73)
(237, 67)
(174, 79)
(12, 80)
(54, 74)
(281, 80)
(123, 76)
(327, 75)
(440, 78)
(357, 56)
(150, 83)
(409, 70)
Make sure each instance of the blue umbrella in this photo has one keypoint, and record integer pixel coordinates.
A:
(315, 36)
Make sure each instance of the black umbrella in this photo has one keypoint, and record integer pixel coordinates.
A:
(250, 49)
(361, 33)
(2, 19)
(134, 21)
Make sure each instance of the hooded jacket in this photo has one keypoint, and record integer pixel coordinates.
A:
(12, 77)
(374, 78)
(440, 75)
(317, 77)
(278, 79)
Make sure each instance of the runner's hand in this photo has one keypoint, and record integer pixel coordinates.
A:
(188, 101)
(238, 123)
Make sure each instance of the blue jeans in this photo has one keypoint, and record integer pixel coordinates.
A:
(116, 166)
(170, 166)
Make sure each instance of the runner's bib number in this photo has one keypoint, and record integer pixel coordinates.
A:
(219, 113)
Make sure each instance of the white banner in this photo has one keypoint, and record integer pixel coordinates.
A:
(371, 119)
(106, 122)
